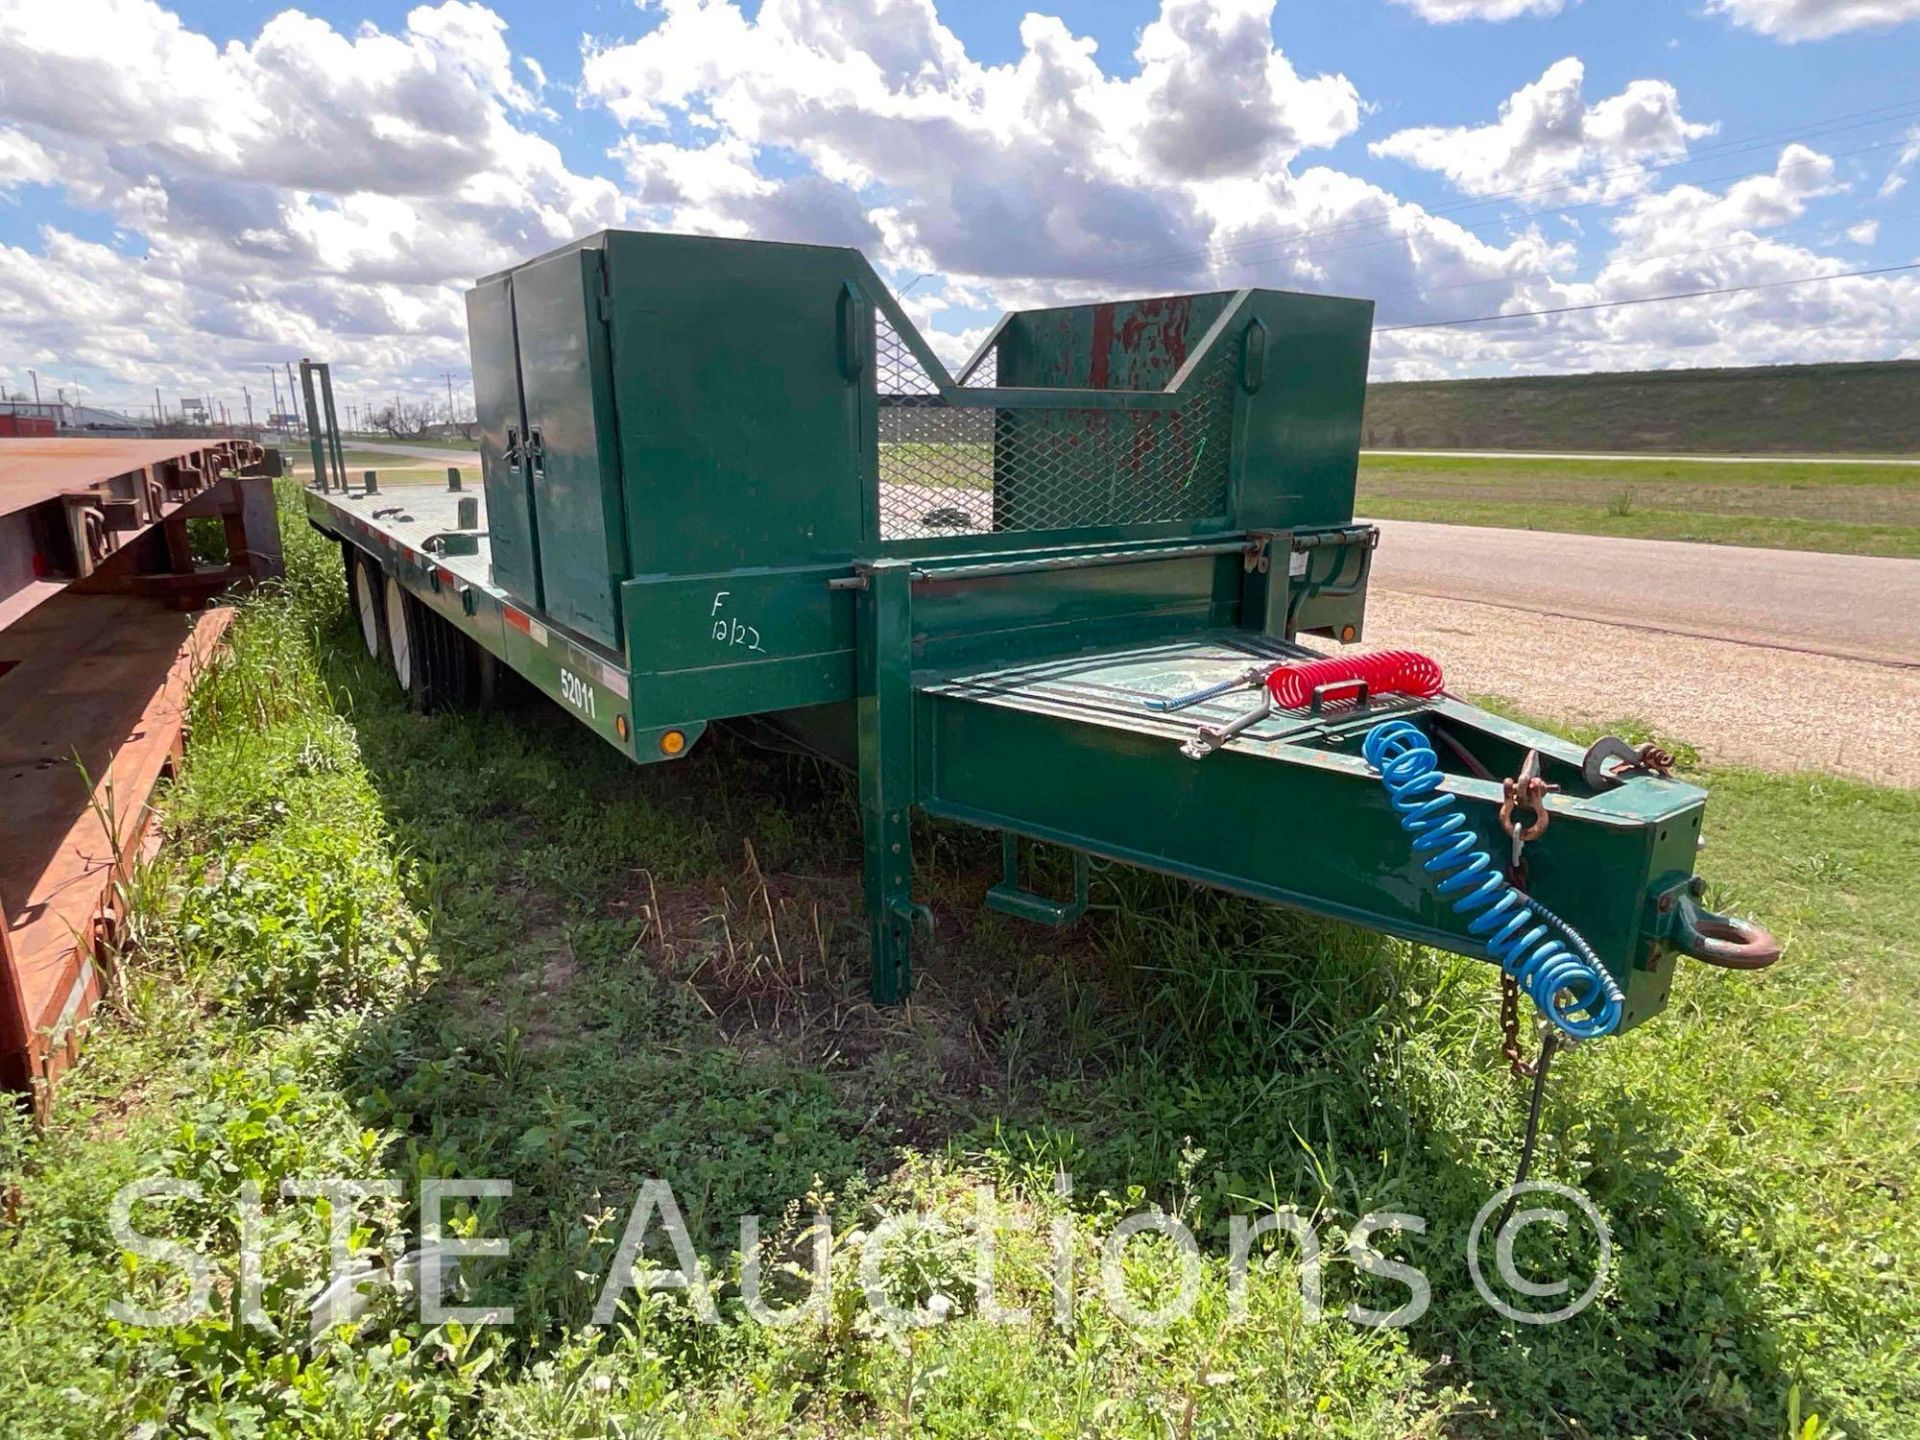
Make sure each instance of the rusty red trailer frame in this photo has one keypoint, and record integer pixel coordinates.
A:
(103, 620)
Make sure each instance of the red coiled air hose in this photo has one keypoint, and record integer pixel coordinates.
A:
(1384, 672)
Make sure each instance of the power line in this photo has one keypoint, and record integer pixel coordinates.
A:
(1646, 299)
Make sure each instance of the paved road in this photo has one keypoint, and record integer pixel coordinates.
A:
(1628, 455)
(1854, 606)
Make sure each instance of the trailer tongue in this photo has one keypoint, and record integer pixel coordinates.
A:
(727, 479)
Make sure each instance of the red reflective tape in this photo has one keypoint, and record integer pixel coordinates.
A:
(526, 624)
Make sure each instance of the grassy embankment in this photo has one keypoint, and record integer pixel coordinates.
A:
(1871, 408)
(389, 946)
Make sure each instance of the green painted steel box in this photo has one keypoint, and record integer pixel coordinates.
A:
(680, 435)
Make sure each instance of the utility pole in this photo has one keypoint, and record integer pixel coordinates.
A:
(273, 376)
(36, 388)
(159, 413)
(449, 375)
(248, 395)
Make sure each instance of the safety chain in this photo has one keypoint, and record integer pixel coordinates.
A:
(1528, 791)
(1510, 1028)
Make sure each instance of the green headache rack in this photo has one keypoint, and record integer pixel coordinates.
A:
(725, 480)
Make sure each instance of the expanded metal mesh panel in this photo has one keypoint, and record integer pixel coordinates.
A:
(958, 470)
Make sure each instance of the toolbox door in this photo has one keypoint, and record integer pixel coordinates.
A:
(503, 428)
(572, 449)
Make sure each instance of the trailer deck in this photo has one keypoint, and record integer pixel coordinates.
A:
(101, 631)
(90, 721)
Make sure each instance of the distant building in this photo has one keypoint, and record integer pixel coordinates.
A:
(75, 419)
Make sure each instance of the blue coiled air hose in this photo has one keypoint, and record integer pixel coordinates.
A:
(1559, 972)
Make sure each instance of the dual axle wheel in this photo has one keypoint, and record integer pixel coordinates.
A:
(434, 664)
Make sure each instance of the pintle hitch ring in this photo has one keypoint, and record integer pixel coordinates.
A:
(1722, 940)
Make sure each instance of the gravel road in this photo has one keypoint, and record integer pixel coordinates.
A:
(1738, 704)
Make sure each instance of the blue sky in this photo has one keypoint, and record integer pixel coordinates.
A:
(357, 164)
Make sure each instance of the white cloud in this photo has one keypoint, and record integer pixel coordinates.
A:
(308, 189)
(1683, 240)
(1547, 133)
(23, 161)
(1756, 203)
(1793, 20)
(1897, 174)
(1865, 233)
(1045, 166)
(1447, 12)
(332, 191)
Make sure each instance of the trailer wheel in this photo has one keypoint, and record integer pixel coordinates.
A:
(400, 637)
(363, 586)
(436, 665)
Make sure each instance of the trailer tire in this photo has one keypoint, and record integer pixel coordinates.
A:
(365, 598)
(400, 624)
(435, 665)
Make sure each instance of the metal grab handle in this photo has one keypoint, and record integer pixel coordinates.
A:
(855, 339)
(1325, 692)
(1722, 940)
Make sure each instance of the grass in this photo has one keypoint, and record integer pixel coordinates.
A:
(387, 946)
(1784, 504)
(438, 443)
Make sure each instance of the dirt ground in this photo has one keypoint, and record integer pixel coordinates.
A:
(1738, 704)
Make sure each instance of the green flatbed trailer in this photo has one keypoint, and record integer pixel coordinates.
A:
(725, 479)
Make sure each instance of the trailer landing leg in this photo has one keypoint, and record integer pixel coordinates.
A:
(886, 778)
